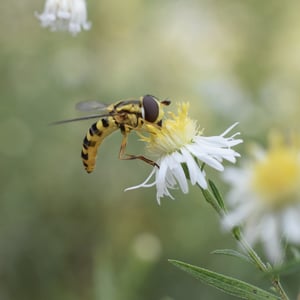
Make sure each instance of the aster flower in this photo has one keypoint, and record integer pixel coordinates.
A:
(180, 149)
(65, 15)
(265, 197)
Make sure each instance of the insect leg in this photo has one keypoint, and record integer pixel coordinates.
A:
(124, 156)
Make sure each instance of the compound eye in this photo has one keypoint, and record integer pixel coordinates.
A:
(151, 108)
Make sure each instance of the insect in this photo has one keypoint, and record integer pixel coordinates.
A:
(126, 115)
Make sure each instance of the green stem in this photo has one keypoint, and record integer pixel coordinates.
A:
(277, 285)
(258, 262)
(236, 231)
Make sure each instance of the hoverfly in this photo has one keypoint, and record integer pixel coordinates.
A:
(125, 115)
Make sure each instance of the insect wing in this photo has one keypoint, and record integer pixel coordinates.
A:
(79, 119)
(91, 105)
(88, 106)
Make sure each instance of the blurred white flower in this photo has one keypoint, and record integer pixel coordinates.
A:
(265, 197)
(181, 149)
(65, 15)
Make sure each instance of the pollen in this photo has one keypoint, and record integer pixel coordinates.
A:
(276, 178)
(176, 131)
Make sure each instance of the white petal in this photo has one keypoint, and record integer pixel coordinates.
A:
(252, 228)
(191, 165)
(68, 15)
(143, 184)
(178, 173)
(291, 225)
(229, 128)
(238, 215)
(197, 152)
(161, 175)
(270, 236)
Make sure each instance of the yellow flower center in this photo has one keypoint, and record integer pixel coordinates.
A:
(277, 177)
(175, 132)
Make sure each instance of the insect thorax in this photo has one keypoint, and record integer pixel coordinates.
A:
(128, 113)
(131, 119)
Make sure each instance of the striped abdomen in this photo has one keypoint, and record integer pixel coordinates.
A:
(96, 134)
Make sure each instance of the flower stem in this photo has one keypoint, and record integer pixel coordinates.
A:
(236, 231)
(237, 234)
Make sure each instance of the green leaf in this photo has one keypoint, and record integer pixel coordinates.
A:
(231, 252)
(225, 283)
(217, 194)
(212, 201)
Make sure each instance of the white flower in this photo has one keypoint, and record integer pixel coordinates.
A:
(181, 149)
(265, 197)
(65, 15)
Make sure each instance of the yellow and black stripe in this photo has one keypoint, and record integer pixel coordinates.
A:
(93, 139)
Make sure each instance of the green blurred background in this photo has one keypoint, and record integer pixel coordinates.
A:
(66, 234)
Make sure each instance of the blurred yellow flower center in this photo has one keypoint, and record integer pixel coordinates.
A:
(277, 177)
(176, 131)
